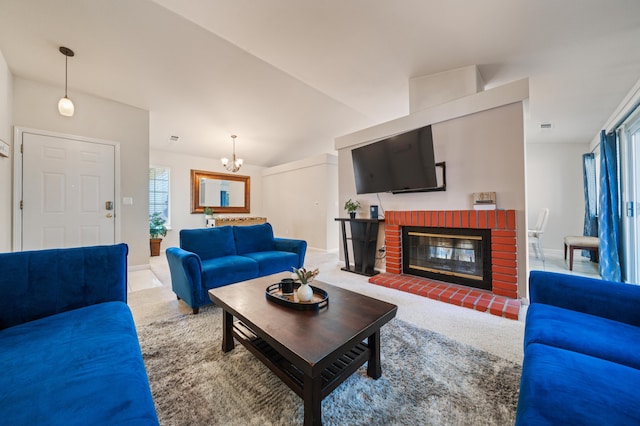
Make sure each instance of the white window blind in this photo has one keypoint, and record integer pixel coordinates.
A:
(159, 192)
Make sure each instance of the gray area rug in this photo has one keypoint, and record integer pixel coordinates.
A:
(427, 379)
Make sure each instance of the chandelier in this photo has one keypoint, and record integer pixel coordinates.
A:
(235, 163)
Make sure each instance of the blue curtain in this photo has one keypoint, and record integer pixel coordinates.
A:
(609, 220)
(590, 200)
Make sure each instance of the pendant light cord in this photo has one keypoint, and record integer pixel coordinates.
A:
(66, 67)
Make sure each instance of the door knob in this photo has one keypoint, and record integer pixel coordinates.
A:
(109, 215)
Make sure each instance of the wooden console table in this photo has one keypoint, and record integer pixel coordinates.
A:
(235, 221)
(364, 240)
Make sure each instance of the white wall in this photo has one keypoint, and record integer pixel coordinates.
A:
(301, 200)
(554, 180)
(35, 107)
(483, 151)
(435, 89)
(6, 99)
(180, 192)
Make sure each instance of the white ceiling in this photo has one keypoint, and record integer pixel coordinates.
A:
(288, 76)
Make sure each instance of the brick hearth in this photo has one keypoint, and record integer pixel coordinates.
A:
(501, 301)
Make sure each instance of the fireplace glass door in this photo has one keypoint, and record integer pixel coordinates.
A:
(448, 254)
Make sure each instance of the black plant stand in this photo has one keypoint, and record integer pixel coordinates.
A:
(364, 239)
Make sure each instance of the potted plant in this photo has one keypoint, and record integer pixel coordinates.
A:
(305, 292)
(156, 230)
(208, 214)
(351, 206)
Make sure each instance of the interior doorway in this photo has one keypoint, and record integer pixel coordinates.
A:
(65, 191)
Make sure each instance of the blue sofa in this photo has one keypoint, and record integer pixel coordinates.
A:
(68, 345)
(581, 352)
(213, 257)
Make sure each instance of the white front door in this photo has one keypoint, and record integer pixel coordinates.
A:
(68, 192)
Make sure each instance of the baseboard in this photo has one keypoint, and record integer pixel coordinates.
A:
(554, 252)
(138, 267)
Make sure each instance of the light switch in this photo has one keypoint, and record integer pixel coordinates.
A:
(127, 201)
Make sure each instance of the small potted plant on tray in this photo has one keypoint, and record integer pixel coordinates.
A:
(305, 292)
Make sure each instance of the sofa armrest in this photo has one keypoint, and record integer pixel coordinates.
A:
(294, 246)
(37, 284)
(613, 300)
(186, 275)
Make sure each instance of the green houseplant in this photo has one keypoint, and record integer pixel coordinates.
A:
(208, 214)
(351, 206)
(156, 230)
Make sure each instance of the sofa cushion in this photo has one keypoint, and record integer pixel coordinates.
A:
(209, 243)
(270, 262)
(226, 270)
(580, 332)
(65, 279)
(253, 238)
(560, 387)
(79, 367)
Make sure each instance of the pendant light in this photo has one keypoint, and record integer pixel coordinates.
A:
(65, 106)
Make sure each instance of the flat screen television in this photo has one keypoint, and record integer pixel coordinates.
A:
(402, 163)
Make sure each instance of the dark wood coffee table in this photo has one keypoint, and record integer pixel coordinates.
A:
(311, 351)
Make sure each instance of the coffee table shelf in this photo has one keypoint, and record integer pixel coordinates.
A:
(332, 376)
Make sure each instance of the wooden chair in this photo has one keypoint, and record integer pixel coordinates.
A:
(580, 243)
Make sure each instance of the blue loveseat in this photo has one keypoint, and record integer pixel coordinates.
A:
(581, 352)
(69, 350)
(213, 257)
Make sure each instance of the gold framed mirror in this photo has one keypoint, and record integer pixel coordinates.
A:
(224, 193)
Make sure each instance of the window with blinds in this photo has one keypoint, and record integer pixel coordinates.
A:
(159, 192)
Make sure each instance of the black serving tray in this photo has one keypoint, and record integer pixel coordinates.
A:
(319, 300)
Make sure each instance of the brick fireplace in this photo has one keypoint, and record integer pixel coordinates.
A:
(500, 300)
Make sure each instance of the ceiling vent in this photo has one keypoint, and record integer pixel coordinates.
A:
(173, 139)
(546, 126)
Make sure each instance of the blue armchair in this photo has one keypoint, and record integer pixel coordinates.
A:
(213, 257)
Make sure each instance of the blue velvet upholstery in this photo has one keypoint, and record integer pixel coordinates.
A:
(607, 299)
(228, 269)
(584, 333)
(569, 388)
(75, 359)
(582, 352)
(64, 278)
(254, 238)
(270, 262)
(232, 254)
(209, 242)
(293, 246)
